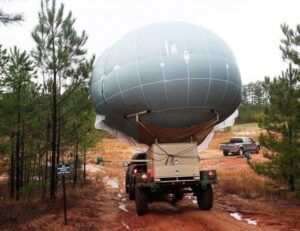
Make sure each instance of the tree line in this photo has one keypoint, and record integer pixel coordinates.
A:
(46, 117)
(254, 98)
(275, 104)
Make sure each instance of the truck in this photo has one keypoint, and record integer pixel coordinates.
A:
(240, 145)
(168, 170)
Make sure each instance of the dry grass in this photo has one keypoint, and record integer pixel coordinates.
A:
(14, 213)
(246, 183)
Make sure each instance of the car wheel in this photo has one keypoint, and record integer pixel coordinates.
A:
(225, 153)
(241, 151)
(257, 149)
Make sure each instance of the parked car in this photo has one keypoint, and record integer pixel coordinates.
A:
(240, 145)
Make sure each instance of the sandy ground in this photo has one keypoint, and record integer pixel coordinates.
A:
(109, 208)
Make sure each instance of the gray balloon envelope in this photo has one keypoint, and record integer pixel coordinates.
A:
(178, 72)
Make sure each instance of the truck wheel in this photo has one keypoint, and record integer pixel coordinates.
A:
(205, 198)
(241, 151)
(225, 153)
(127, 182)
(131, 194)
(141, 201)
(131, 189)
(178, 196)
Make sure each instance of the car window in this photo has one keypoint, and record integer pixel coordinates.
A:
(236, 140)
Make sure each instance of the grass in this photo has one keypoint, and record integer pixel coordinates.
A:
(246, 127)
(246, 183)
(242, 127)
(14, 212)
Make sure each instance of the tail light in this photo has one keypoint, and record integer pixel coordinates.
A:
(144, 176)
(135, 171)
(150, 170)
(212, 174)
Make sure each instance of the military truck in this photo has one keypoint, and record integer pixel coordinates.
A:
(168, 169)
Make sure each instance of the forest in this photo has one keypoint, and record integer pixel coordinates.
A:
(46, 117)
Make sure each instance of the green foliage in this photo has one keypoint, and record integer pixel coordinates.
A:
(17, 92)
(3, 61)
(249, 113)
(61, 58)
(31, 187)
(254, 94)
(281, 119)
(59, 47)
(253, 101)
(55, 116)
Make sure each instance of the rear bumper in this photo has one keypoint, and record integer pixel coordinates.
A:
(180, 182)
(233, 150)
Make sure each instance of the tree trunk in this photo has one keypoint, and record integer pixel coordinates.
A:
(29, 170)
(22, 162)
(34, 168)
(59, 124)
(48, 126)
(39, 166)
(84, 166)
(12, 167)
(25, 170)
(18, 144)
(53, 146)
(291, 182)
(76, 162)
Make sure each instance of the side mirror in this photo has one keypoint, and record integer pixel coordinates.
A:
(125, 164)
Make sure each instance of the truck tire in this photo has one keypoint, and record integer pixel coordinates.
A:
(257, 149)
(225, 153)
(205, 198)
(178, 196)
(131, 188)
(127, 182)
(131, 194)
(141, 201)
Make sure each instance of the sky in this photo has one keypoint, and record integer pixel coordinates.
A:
(250, 27)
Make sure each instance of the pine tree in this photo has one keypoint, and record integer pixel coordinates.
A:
(58, 52)
(282, 123)
(3, 61)
(17, 81)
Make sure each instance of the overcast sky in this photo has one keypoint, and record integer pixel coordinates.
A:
(251, 28)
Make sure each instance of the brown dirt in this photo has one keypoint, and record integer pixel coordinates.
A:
(103, 204)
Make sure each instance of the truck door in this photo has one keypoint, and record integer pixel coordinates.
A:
(252, 145)
(247, 144)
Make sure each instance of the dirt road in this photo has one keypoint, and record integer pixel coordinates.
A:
(230, 212)
(103, 204)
